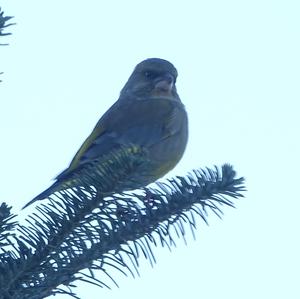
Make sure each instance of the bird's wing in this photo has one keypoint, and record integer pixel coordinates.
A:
(82, 156)
(144, 123)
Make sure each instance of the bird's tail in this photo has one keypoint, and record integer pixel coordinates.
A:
(46, 193)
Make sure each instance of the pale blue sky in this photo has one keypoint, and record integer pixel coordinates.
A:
(239, 74)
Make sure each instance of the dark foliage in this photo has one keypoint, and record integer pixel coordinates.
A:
(3, 24)
(80, 230)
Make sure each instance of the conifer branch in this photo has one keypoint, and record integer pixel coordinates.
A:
(4, 24)
(82, 232)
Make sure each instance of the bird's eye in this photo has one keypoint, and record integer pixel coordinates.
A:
(149, 74)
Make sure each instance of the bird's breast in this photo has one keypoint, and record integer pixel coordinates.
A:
(168, 152)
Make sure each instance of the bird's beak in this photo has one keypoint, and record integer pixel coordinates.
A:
(164, 83)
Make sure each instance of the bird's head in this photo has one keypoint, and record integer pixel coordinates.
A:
(153, 77)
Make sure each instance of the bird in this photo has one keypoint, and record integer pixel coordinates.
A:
(149, 114)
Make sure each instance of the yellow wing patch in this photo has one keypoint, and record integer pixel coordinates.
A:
(98, 131)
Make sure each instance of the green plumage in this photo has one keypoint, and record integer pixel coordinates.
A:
(148, 114)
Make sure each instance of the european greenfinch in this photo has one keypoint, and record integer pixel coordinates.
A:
(149, 114)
